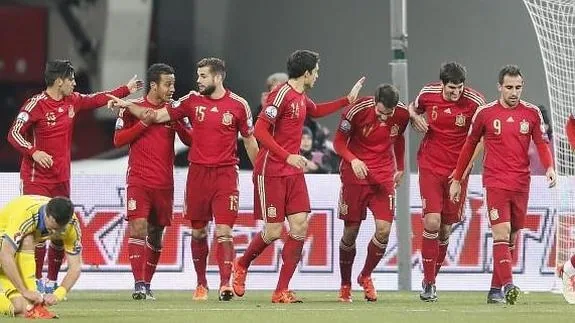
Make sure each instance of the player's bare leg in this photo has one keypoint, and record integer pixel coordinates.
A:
(200, 250)
(136, 250)
(346, 257)
(291, 255)
(225, 255)
(152, 255)
(375, 251)
(502, 260)
(270, 233)
(429, 255)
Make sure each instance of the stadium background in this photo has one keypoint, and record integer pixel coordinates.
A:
(255, 37)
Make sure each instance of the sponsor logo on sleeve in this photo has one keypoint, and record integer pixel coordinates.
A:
(345, 126)
(119, 123)
(271, 112)
(23, 116)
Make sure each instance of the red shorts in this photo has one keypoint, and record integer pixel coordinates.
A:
(155, 205)
(355, 199)
(46, 189)
(507, 206)
(277, 197)
(211, 193)
(434, 191)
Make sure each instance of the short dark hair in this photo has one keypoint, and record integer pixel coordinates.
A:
(58, 69)
(301, 61)
(216, 65)
(61, 209)
(155, 72)
(452, 72)
(509, 70)
(387, 94)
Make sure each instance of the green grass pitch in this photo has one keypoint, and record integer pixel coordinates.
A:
(318, 306)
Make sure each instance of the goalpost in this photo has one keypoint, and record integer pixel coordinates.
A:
(554, 23)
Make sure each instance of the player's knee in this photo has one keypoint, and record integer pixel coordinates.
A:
(199, 234)
(28, 243)
(444, 232)
(223, 230)
(432, 221)
(298, 224)
(273, 231)
(155, 236)
(501, 231)
(382, 230)
(350, 232)
(138, 228)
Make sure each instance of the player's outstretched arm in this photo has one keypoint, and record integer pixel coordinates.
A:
(96, 100)
(327, 108)
(160, 115)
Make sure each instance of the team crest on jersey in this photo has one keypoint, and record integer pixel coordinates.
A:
(271, 112)
(345, 126)
(272, 212)
(460, 120)
(71, 112)
(493, 214)
(23, 116)
(227, 118)
(394, 130)
(131, 205)
(524, 127)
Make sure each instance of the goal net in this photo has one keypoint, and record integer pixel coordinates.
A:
(554, 23)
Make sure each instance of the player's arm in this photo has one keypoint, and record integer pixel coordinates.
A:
(399, 153)
(184, 130)
(8, 262)
(27, 119)
(246, 129)
(327, 108)
(543, 150)
(127, 130)
(416, 110)
(342, 137)
(476, 131)
(262, 132)
(96, 100)
(251, 145)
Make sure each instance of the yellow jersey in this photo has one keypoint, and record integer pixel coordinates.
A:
(25, 214)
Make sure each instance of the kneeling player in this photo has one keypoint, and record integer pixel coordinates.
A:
(24, 222)
(370, 141)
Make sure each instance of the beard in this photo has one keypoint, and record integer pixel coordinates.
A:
(208, 90)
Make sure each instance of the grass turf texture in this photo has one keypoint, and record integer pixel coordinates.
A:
(319, 306)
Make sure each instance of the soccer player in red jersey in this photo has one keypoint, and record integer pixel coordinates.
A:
(42, 133)
(370, 141)
(150, 179)
(449, 106)
(217, 115)
(507, 126)
(280, 190)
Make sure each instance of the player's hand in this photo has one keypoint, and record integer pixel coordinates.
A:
(551, 177)
(419, 123)
(149, 117)
(43, 159)
(50, 299)
(297, 161)
(115, 102)
(397, 177)
(352, 96)
(311, 166)
(359, 168)
(134, 84)
(33, 296)
(455, 191)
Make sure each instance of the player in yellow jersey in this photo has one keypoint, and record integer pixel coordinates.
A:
(25, 221)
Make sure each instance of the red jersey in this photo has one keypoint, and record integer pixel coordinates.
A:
(46, 124)
(448, 126)
(373, 141)
(507, 134)
(151, 155)
(216, 123)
